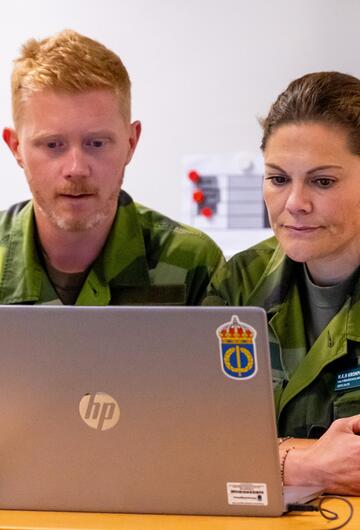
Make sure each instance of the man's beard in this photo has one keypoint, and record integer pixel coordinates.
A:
(75, 225)
(89, 222)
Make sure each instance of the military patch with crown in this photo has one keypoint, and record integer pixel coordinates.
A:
(237, 349)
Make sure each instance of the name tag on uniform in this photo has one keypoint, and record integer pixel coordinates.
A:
(348, 379)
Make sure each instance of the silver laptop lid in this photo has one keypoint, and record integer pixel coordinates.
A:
(137, 409)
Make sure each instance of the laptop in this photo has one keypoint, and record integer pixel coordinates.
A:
(138, 409)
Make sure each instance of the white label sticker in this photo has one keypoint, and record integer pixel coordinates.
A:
(247, 493)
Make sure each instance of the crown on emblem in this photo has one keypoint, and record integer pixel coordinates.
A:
(235, 331)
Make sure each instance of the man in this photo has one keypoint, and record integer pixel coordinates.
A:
(81, 240)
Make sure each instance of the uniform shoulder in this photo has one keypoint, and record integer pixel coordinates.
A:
(162, 232)
(235, 282)
(177, 253)
(8, 218)
(257, 255)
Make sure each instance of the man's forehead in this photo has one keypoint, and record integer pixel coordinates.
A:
(49, 108)
(53, 96)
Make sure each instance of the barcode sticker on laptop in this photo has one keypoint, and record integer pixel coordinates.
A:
(247, 493)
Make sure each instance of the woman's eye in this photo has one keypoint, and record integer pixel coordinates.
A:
(324, 182)
(278, 180)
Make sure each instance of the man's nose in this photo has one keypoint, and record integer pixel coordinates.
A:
(76, 164)
(299, 199)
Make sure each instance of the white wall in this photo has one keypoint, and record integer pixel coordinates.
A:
(202, 71)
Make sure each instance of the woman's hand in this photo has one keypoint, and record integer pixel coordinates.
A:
(332, 461)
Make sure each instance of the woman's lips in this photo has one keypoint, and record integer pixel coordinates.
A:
(301, 229)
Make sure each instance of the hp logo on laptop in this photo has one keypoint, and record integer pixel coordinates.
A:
(99, 411)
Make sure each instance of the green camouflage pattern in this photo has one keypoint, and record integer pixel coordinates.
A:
(147, 259)
(304, 378)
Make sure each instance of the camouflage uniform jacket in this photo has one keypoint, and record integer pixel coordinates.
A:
(305, 395)
(147, 259)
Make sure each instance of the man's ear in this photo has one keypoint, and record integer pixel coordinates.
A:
(12, 141)
(135, 131)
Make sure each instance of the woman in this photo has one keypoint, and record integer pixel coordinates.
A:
(307, 276)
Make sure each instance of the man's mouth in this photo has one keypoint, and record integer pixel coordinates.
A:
(77, 194)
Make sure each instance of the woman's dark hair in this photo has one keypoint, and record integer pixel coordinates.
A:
(327, 97)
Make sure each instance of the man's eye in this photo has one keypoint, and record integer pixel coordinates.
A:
(95, 143)
(53, 144)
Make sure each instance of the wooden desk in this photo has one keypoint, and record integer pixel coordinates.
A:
(12, 520)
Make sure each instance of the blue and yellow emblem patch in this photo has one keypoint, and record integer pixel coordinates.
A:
(237, 349)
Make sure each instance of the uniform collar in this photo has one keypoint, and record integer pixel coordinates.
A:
(122, 261)
(278, 292)
(278, 285)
